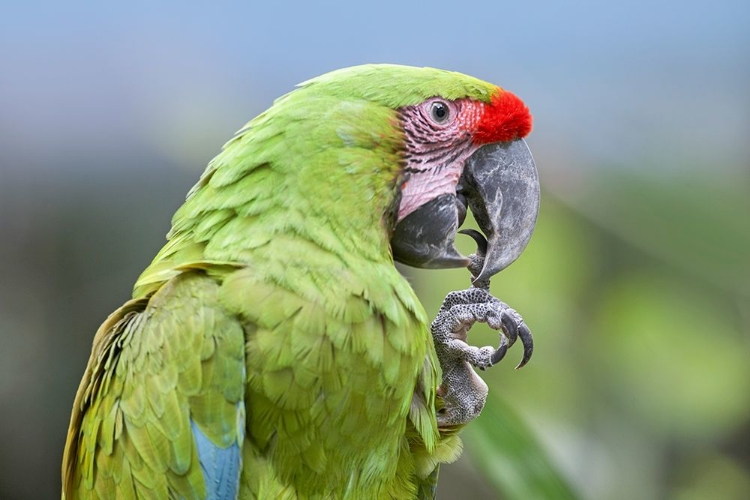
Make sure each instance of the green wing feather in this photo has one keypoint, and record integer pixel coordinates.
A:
(157, 364)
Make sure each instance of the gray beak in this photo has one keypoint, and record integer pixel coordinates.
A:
(500, 185)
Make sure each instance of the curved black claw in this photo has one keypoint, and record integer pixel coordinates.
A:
(479, 238)
(513, 328)
(528, 344)
(510, 327)
(476, 260)
(499, 353)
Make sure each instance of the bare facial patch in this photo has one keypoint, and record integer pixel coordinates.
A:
(438, 142)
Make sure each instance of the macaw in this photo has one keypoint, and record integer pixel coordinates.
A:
(272, 349)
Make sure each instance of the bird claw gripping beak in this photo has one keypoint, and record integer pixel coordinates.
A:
(500, 186)
(512, 324)
(463, 392)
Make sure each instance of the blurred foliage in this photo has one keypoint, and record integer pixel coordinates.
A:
(508, 454)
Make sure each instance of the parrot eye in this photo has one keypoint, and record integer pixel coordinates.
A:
(439, 111)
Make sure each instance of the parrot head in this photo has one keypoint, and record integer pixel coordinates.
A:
(462, 149)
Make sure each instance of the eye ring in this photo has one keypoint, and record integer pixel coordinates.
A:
(439, 112)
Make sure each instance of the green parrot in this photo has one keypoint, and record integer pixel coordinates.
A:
(272, 350)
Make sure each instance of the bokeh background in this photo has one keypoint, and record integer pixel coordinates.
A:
(636, 283)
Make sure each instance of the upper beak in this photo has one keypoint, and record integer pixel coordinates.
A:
(500, 184)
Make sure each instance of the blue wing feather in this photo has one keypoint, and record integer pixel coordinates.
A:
(221, 466)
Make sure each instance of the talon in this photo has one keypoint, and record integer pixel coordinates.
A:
(462, 391)
(499, 354)
(476, 260)
(510, 327)
(528, 344)
(479, 239)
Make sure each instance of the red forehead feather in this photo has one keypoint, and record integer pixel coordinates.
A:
(505, 118)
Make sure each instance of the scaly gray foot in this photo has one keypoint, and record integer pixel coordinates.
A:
(463, 391)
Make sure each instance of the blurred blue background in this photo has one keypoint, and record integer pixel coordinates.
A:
(636, 283)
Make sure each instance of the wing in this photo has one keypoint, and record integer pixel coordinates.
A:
(160, 411)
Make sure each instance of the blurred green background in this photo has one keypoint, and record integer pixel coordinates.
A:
(636, 283)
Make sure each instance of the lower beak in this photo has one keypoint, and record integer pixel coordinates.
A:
(500, 185)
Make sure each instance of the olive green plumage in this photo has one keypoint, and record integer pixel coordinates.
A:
(274, 319)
